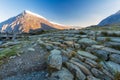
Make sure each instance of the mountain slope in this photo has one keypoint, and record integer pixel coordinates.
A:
(113, 19)
(27, 21)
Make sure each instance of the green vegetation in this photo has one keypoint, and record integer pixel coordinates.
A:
(10, 51)
(110, 35)
(99, 59)
(82, 33)
(107, 39)
(100, 66)
(104, 28)
(72, 54)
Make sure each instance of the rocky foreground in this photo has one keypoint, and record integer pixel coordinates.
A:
(62, 55)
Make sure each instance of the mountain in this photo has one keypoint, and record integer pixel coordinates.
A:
(27, 21)
(113, 19)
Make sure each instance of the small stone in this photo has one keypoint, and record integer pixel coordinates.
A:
(31, 49)
(92, 78)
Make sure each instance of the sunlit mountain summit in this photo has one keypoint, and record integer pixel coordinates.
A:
(26, 21)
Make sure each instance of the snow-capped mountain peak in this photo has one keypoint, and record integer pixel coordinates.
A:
(27, 21)
(37, 15)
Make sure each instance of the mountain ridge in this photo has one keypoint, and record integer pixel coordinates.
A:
(112, 19)
(26, 21)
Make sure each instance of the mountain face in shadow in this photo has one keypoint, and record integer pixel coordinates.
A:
(113, 19)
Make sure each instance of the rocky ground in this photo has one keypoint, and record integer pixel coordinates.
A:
(62, 55)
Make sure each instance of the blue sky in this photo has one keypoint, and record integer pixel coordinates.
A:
(67, 12)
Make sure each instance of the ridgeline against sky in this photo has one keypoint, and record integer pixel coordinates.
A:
(66, 12)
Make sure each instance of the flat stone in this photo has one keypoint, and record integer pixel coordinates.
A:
(82, 67)
(114, 67)
(92, 63)
(97, 73)
(115, 58)
(92, 78)
(97, 46)
(109, 50)
(114, 45)
(87, 41)
(82, 62)
(75, 70)
(101, 54)
(86, 54)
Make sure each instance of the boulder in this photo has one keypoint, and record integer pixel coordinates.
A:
(63, 74)
(55, 59)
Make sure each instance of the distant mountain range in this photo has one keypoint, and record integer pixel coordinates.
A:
(111, 20)
(27, 21)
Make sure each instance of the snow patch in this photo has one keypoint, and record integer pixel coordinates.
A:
(56, 23)
(29, 12)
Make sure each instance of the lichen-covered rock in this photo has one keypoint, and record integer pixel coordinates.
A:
(55, 59)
